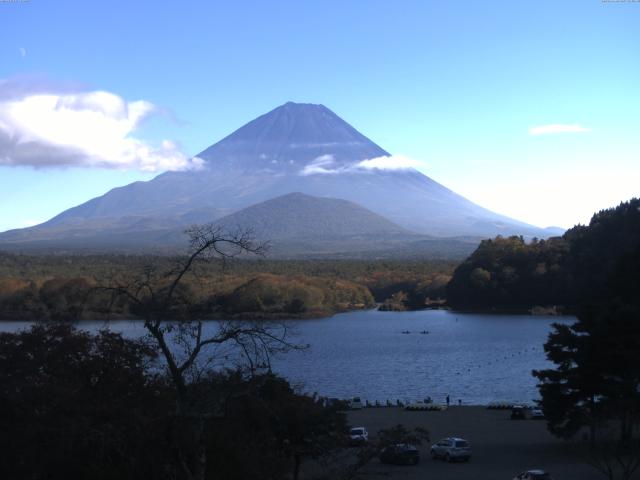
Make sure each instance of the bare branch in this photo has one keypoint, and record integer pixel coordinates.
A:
(166, 315)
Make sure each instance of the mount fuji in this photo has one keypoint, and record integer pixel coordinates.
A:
(303, 148)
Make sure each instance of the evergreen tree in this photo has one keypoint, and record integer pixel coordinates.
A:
(596, 381)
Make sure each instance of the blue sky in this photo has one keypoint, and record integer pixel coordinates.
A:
(462, 87)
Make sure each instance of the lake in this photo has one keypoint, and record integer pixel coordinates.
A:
(477, 358)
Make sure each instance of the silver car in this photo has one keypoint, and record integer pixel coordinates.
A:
(533, 475)
(358, 435)
(451, 449)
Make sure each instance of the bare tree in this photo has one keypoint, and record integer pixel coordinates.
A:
(614, 459)
(189, 346)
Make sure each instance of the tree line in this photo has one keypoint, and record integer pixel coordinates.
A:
(64, 287)
(264, 295)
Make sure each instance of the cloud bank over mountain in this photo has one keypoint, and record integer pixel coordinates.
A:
(326, 164)
(49, 127)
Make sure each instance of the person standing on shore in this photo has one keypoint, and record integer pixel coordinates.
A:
(448, 400)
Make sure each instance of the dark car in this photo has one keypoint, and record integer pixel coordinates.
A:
(518, 413)
(336, 404)
(400, 454)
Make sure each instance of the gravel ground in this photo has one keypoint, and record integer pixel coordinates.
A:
(501, 447)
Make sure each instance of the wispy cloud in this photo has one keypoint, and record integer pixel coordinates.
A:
(43, 127)
(393, 162)
(555, 128)
(320, 165)
(23, 52)
(327, 165)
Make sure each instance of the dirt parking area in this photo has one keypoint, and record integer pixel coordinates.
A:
(501, 447)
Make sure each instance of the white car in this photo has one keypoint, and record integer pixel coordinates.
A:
(424, 406)
(355, 403)
(533, 475)
(358, 435)
(451, 449)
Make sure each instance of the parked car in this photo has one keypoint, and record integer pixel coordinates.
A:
(337, 403)
(400, 454)
(355, 403)
(423, 406)
(419, 405)
(537, 414)
(533, 475)
(358, 435)
(451, 449)
(518, 412)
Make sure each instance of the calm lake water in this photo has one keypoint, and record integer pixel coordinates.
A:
(477, 358)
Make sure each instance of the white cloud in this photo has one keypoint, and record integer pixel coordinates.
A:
(23, 52)
(557, 128)
(89, 129)
(325, 164)
(392, 162)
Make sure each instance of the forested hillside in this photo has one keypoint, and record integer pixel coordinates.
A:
(65, 287)
(509, 273)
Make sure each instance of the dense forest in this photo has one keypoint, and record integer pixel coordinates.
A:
(69, 287)
(509, 273)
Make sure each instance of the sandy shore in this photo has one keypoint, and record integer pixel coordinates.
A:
(502, 448)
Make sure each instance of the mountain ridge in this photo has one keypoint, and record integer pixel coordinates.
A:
(298, 215)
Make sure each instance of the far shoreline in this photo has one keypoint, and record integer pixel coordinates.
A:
(320, 315)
